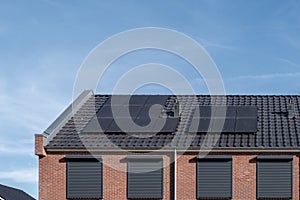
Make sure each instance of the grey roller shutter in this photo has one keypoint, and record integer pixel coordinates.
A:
(274, 177)
(145, 177)
(214, 177)
(84, 177)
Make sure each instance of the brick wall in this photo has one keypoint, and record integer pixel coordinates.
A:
(243, 180)
(52, 177)
(244, 177)
(186, 177)
(39, 145)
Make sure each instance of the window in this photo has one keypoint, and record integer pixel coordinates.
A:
(145, 177)
(274, 177)
(84, 177)
(214, 177)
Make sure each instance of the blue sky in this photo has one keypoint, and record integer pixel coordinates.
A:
(255, 44)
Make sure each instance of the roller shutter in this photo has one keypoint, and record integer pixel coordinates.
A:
(214, 177)
(274, 177)
(84, 177)
(145, 177)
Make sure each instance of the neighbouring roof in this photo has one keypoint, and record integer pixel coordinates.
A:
(275, 129)
(9, 193)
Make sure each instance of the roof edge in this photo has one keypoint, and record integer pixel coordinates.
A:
(66, 115)
(191, 150)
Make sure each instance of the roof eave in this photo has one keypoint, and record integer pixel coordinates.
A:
(170, 149)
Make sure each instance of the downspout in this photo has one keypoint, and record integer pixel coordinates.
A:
(175, 174)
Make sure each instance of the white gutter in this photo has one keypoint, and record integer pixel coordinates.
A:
(294, 150)
(175, 174)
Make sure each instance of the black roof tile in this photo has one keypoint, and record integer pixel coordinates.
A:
(9, 193)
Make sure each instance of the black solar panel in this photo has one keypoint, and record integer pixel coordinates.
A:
(245, 125)
(157, 99)
(169, 126)
(246, 112)
(157, 125)
(230, 119)
(199, 125)
(97, 124)
(155, 111)
(204, 112)
(216, 111)
(125, 125)
(142, 121)
(227, 125)
(138, 99)
(106, 111)
(117, 100)
(143, 125)
(133, 111)
(230, 111)
(141, 109)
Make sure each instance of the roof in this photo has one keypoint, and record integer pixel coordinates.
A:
(274, 128)
(9, 193)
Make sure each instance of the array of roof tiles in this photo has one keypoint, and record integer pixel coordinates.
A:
(275, 128)
(9, 193)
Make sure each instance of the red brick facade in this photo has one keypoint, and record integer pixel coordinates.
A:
(52, 176)
(39, 145)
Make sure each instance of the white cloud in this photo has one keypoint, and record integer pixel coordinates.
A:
(27, 110)
(265, 76)
(289, 62)
(29, 175)
(17, 147)
(207, 43)
(292, 40)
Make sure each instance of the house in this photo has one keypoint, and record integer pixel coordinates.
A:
(185, 147)
(9, 193)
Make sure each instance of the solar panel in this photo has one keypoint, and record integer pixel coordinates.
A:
(246, 119)
(246, 112)
(125, 125)
(169, 126)
(140, 110)
(230, 111)
(106, 112)
(142, 121)
(97, 125)
(204, 112)
(228, 119)
(117, 100)
(133, 112)
(157, 99)
(216, 111)
(155, 111)
(142, 125)
(225, 125)
(242, 119)
(199, 125)
(245, 125)
(138, 99)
